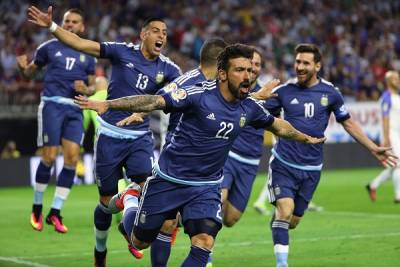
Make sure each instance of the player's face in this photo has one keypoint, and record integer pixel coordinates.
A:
(73, 22)
(396, 80)
(306, 69)
(256, 67)
(239, 77)
(154, 38)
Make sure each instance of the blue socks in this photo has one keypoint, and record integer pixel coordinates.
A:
(197, 257)
(280, 236)
(160, 250)
(102, 222)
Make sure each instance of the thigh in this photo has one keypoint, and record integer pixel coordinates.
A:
(229, 173)
(73, 125)
(50, 121)
(306, 191)
(243, 181)
(139, 161)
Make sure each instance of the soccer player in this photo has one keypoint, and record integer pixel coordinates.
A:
(390, 105)
(295, 168)
(189, 171)
(69, 72)
(136, 70)
(205, 73)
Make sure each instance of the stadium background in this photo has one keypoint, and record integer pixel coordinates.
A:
(360, 41)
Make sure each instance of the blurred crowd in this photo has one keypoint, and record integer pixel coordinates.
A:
(360, 40)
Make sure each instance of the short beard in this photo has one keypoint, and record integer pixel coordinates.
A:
(235, 91)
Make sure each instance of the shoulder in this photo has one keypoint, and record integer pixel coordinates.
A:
(255, 104)
(289, 83)
(386, 96)
(48, 43)
(187, 77)
(169, 62)
(328, 86)
(122, 45)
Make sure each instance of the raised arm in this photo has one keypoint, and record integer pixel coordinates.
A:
(72, 40)
(285, 130)
(28, 71)
(383, 154)
(139, 103)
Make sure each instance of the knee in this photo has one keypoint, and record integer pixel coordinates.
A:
(203, 241)
(139, 244)
(49, 159)
(294, 222)
(169, 226)
(230, 220)
(71, 159)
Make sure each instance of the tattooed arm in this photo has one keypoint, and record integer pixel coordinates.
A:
(139, 103)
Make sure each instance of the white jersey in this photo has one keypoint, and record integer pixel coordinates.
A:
(390, 104)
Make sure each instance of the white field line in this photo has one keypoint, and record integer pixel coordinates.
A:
(21, 261)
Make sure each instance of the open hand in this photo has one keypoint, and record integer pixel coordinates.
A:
(386, 156)
(22, 61)
(84, 103)
(315, 140)
(135, 118)
(266, 91)
(40, 18)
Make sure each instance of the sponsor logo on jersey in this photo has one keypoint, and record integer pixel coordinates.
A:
(170, 87)
(211, 116)
(178, 94)
(130, 65)
(160, 77)
(242, 121)
(294, 101)
(58, 54)
(82, 58)
(324, 100)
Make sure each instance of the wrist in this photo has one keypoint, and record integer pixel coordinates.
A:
(53, 26)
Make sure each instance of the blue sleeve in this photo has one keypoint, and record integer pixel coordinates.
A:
(260, 118)
(91, 69)
(178, 100)
(274, 106)
(338, 108)
(168, 88)
(175, 72)
(110, 50)
(386, 104)
(41, 56)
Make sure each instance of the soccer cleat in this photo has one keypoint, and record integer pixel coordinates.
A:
(116, 203)
(261, 208)
(100, 258)
(174, 235)
(314, 207)
(56, 220)
(371, 192)
(37, 223)
(138, 254)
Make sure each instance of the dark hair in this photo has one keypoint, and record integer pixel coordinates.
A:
(309, 48)
(258, 51)
(150, 20)
(210, 51)
(232, 52)
(76, 11)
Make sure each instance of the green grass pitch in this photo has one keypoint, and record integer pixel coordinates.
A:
(351, 231)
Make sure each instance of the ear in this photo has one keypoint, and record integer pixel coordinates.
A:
(142, 35)
(318, 66)
(82, 28)
(222, 75)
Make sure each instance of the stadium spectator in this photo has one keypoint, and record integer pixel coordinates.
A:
(390, 105)
(137, 70)
(294, 170)
(68, 73)
(189, 171)
(10, 151)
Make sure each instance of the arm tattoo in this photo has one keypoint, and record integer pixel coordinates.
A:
(138, 103)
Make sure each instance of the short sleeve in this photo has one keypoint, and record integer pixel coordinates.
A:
(261, 118)
(110, 50)
(274, 106)
(386, 104)
(41, 56)
(179, 99)
(338, 108)
(91, 69)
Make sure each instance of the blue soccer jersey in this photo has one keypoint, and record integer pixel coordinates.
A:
(308, 110)
(249, 142)
(64, 66)
(133, 74)
(209, 125)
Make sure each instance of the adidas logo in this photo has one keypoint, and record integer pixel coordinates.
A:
(58, 54)
(294, 101)
(211, 116)
(130, 65)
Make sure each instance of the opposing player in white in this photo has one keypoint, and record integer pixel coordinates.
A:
(390, 105)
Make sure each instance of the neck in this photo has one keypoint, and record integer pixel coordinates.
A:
(147, 54)
(226, 93)
(209, 72)
(312, 82)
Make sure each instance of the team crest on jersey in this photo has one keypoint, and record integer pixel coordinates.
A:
(160, 77)
(82, 58)
(178, 94)
(324, 100)
(170, 87)
(242, 121)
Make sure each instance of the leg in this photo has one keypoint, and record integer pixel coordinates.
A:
(161, 247)
(396, 183)
(231, 214)
(374, 184)
(259, 205)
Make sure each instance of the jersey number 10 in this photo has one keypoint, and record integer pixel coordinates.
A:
(309, 110)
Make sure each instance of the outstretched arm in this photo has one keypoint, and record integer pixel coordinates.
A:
(285, 130)
(383, 154)
(45, 20)
(138, 103)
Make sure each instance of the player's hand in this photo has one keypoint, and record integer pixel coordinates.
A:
(314, 140)
(135, 118)
(84, 103)
(22, 61)
(80, 87)
(266, 91)
(386, 156)
(40, 18)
